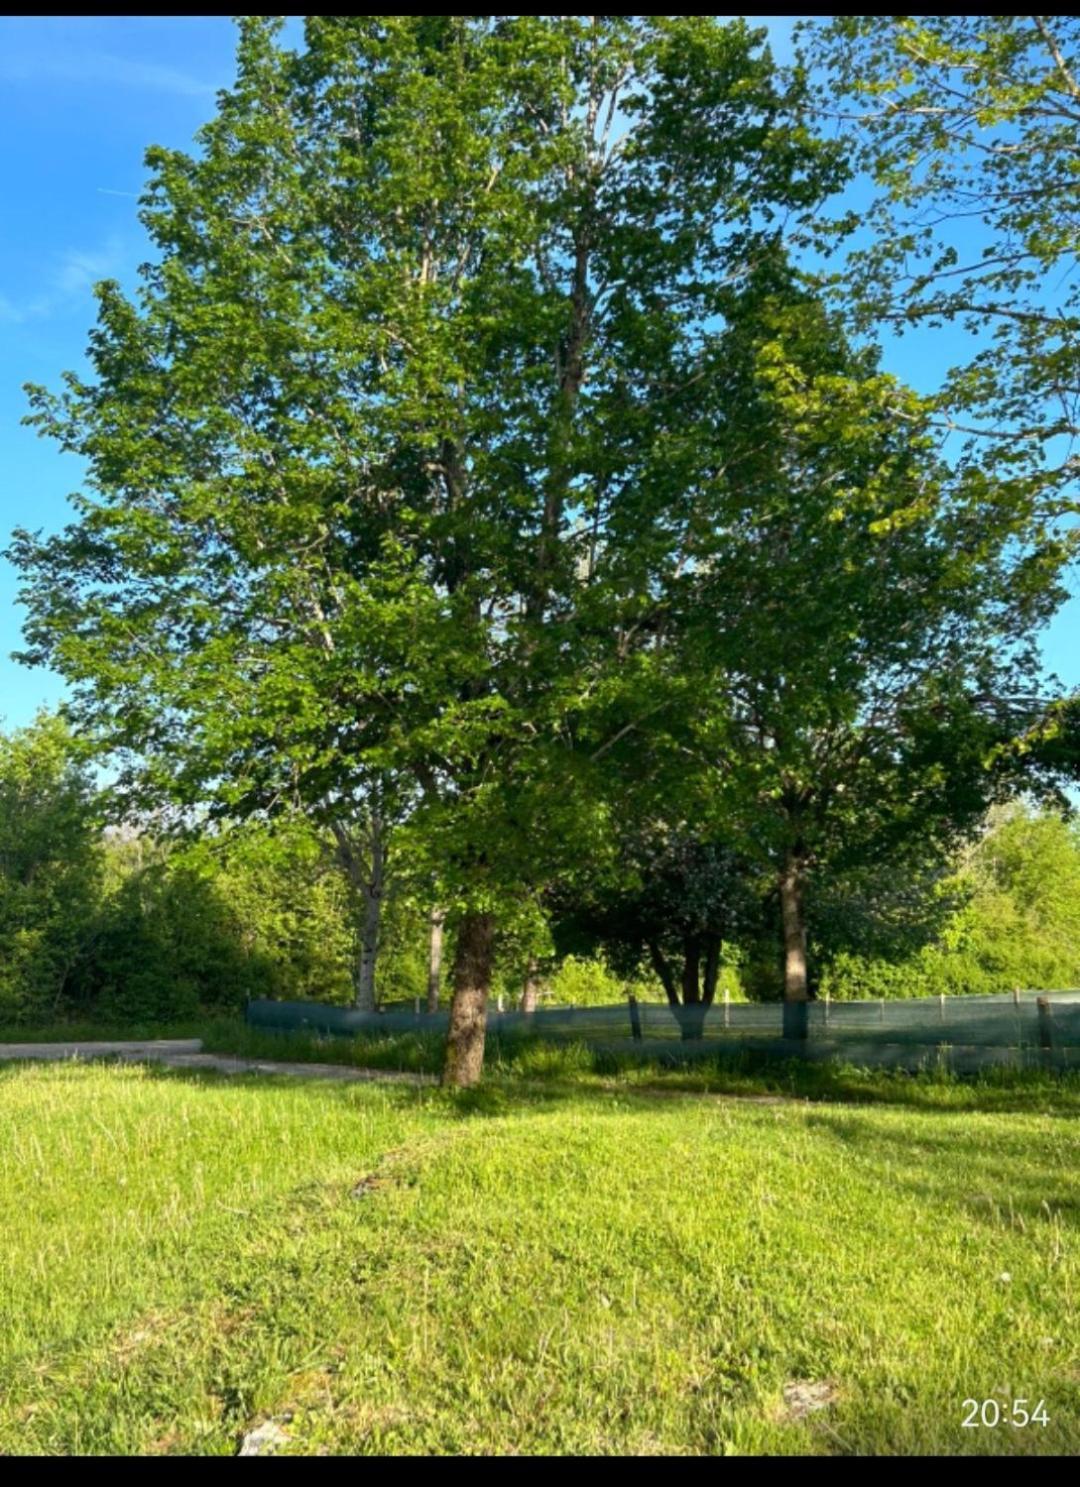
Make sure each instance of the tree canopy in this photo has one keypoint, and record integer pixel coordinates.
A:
(479, 459)
(841, 635)
(392, 408)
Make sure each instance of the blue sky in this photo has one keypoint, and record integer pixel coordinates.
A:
(80, 100)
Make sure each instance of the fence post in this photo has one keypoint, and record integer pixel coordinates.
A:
(1016, 996)
(826, 1009)
(941, 1001)
(499, 1003)
(727, 1007)
(635, 1018)
(881, 1010)
(416, 1005)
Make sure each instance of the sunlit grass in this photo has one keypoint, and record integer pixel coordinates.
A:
(569, 1261)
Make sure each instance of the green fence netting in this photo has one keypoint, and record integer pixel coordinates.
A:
(1039, 1028)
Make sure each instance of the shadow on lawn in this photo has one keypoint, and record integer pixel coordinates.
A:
(547, 1077)
(1012, 1181)
(529, 1075)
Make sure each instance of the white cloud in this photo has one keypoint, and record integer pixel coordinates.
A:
(78, 271)
(70, 276)
(100, 67)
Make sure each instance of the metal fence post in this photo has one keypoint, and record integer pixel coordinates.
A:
(635, 1018)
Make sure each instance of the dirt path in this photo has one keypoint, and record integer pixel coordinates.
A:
(186, 1053)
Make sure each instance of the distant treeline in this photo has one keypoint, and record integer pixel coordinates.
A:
(125, 925)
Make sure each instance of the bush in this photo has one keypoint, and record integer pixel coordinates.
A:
(50, 868)
(1019, 925)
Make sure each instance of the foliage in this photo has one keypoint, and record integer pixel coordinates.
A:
(475, 469)
(123, 926)
(123, 929)
(884, 916)
(1019, 925)
(1046, 756)
(842, 633)
(246, 914)
(589, 981)
(390, 414)
(967, 126)
(681, 906)
(320, 443)
(50, 866)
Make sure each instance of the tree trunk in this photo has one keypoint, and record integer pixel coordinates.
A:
(372, 892)
(692, 1017)
(434, 976)
(712, 971)
(570, 371)
(663, 970)
(530, 992)
(792, 913)
(691, 970)
(473, 960)
(692, 1021)
(368, 881)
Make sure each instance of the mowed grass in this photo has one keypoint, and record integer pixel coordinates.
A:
(575, 1264)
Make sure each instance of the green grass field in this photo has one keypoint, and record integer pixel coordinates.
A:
(566, 1261)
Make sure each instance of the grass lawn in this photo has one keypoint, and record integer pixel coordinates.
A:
(567, 1261)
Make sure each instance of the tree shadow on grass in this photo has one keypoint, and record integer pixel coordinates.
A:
(538, 1077)
(1007, 1182)
(548, 1072)
(1002, 1090)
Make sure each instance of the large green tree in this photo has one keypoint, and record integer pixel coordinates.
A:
(868, 612)
(839, 627)
(427, 306)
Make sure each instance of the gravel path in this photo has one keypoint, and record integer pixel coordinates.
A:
(186, 1053)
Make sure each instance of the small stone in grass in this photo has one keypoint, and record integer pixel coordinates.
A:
(263, 1440)
(802, 1397)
